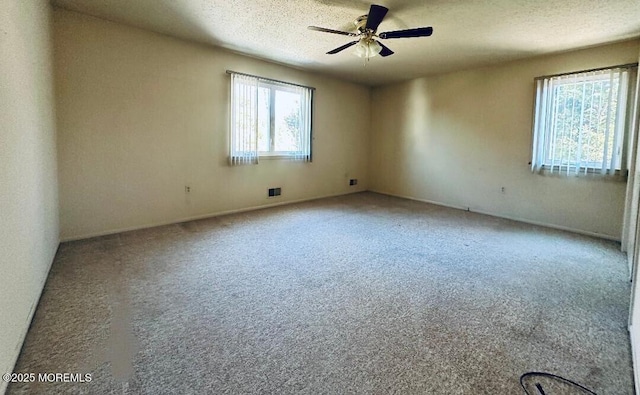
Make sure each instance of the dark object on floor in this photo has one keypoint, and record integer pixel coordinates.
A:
(550, 384)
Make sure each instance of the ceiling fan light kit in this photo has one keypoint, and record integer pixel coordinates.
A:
(366, 46)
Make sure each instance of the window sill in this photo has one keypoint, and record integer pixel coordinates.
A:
(278, 157)
(562, 171)
(269, 157)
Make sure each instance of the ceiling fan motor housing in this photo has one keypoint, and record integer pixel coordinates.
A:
(361, 23)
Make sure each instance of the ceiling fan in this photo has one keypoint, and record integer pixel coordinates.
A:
(366, 45)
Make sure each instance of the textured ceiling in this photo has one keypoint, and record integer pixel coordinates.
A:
(467, 33)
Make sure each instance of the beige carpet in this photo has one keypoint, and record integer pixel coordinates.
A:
(357, 294)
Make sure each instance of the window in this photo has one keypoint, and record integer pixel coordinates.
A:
(269, 119)
(580, 121)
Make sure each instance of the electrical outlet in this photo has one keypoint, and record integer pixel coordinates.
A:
(503, 190)
(187, 189)
(353, 181)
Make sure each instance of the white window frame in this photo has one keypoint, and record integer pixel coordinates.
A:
(244, 119)
(545, 158)
(273, 87)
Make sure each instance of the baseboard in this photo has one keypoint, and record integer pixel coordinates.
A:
(203, 216)
(252, 208)
(497, 215)
(635, 357)
(34, 306)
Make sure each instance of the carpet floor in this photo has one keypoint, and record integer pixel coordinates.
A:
(363, 293)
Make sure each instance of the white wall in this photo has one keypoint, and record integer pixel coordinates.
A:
(634, 255)
(458, 138)
(141, 115)
(28, 176)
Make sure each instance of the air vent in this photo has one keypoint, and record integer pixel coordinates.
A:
(273, 192)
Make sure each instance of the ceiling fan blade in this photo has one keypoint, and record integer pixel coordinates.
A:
(417, 32)
(385, 50)
(325, 30)
(376, 15)
(334, 51)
